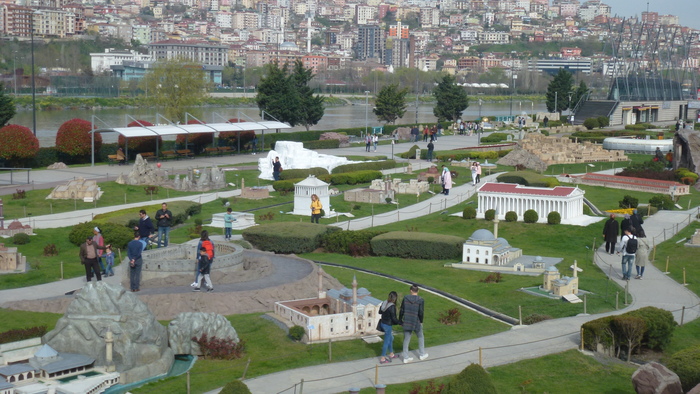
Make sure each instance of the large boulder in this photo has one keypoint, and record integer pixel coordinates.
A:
(654, 378)
(140, 347)
(193, 324)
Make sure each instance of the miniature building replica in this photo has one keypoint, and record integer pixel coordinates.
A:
(11, 260)
(243, 220)
(504, 197)
(302, 195)
(142, 173)
(255, 192)
(336, 314)
(14, 227)
(432, 172)
(177, 259)
(560, 286)
(86, 190)
(562, 150)
(379, 190)
(631, 183)
(694, 241)
(293, 155)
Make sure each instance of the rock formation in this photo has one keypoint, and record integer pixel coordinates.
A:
(142, 174)
(686, 150)
(194, 180)
(521, 156)
(293, 155)
(140, 348)
(193, 324)
(655, 378)
(343, 138)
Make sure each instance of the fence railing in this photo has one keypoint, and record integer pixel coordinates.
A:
(14, 176)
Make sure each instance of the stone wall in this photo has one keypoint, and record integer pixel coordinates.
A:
(180, 259)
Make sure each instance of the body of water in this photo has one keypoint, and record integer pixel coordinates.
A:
(48, 122)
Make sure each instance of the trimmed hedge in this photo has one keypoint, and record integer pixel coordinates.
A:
(591, 123)
(287, 237)
(322, 144)
(340, 241)
(528, 178)
(283, 186)
(21, 334)
(20, 239)
(302, 173)
(472, 379)
(554, 217)
(469, 213)
(686, 364)
(370, 165)
(352, 178)
(411, 153)
(531, 216)
(490, 214)
(462, 155)
(235, 387)
(416, 245)
(494, 137)
(511, 216)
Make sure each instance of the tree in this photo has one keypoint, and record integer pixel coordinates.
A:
(451, 99)
(18, 144)
(578, 94)
(310, 108)
(559, 88)
(73, 138)
(7, 107)
(390, 103)
(176, 85)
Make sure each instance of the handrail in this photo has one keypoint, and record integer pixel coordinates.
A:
(614, 107)
(580, 102)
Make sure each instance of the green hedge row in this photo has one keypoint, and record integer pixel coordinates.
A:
(322, 144)
(416, 245)
(116, 235)
(495, 137)
(659, 325)
(527, 178)
(352, 178)
(302, 173)
(287, 237)
(21, 334)
(465, 155)
(370, 165)
(340, 241)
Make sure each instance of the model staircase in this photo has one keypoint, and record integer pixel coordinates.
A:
(594, 109)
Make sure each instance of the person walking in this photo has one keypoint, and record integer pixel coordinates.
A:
(205, 269)
(610, 231)
(133, 252)
(145, 228)
(478, 171)
(624, 225)
(431, 147)
(368, 142)
(411, 318)
(388, 312)
(88, 257)
(628, 248)
(316, 207)
(228, 223)
(641, 258)
(276, 168)
(636, 221)
(472, 168)
(164, 218)
(375, 141)
(208, 245)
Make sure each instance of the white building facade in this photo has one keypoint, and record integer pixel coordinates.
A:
(302, 195)
(102, 62)
(505, 197)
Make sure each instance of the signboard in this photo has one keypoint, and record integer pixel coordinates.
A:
(694, 104)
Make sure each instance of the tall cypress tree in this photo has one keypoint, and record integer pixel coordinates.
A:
(310, 108)
(390, 103)
(7, 107)
(451, 99)
(560, 87)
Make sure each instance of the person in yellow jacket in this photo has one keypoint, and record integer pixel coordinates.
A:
(316, 207)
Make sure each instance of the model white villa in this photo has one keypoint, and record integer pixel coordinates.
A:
(336, 314)
(504, 197)
(484, 248)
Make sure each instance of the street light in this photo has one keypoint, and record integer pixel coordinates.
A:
(14, 69)
(366, 108)
(33, 72)
(556, 97)
(513, 77)
(480, 101)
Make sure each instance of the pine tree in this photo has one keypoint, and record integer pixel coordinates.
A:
(310, 108)
(7, 107)
(559, 88)
(276, 94)
(390, 103)
(451, 99)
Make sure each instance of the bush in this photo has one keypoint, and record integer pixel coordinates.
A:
(495, 137)
(235, 387)
(490, 214)
(686, 364)
(50, 250)
(660, 326)
(535, 318)
(469, 213)
(662, 201)
(511, 216)
(115, 234)
(302, 173)
(18, 144)
(417, 245)
(74, 140)
(288, 237)
(230, 138)
(22, 334)
(410, 154)
(297, 332)
(369, 165)
(628, 202)
(472, 379)
(322, 144)
(219, 348)
(283, 186)
(603, 121)
(44, 158)
(591, 123)
(530, 216)
(343, 241)
(140, 144)
(554, 218)
(449, 317)
(20, 239)
(352, 178)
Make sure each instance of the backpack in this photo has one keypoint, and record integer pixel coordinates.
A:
(631, 247)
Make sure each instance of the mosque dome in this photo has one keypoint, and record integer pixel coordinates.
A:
(503, 242)
(482, 235)
(288, 46)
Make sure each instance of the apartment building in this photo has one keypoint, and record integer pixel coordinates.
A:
(196, 51)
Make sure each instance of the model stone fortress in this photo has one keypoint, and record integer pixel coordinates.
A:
(77, 189)
(380, 190)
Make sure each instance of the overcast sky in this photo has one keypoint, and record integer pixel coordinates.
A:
(688, 11)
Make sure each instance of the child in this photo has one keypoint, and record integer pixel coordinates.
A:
(204, 268)
(228, 223)
(109, 261)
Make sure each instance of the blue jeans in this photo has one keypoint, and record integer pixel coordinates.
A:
(227, 232)
(388, 339)
(163, 236)
(627, 263)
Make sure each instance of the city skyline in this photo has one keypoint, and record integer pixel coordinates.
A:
(687, 11)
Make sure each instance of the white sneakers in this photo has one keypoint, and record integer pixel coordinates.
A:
(421, 358)
(194, 284)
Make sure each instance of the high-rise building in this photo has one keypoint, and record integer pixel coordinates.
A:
(370, 43)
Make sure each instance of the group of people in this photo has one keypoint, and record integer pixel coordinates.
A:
(476, 172)
(667, 159)
(371, 140)
(465, 128)
(410, 319)
(633, 246)
(97, 257)
(429, 133)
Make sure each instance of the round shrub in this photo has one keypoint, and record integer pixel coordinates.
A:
(554, 217)
(530, 216)
(511, 216)
(686, 364)
(283, 186)
(73, 138)
(603, 121)
(20, 239)
(141, 144)
(115, 234)
(18, 144)
(472, 379)
(662, 201)
(490, 214)
(469, 213)
(235, 387)
(297, 332)
(591, 123)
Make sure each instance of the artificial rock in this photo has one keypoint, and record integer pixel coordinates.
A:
(193, 324)
(654, 378)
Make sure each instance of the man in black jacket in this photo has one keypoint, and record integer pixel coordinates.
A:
(411, 317)
(145, 228)
(164, 218)
(610, 232)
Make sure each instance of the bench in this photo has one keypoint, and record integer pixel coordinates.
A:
(211, 151)
(111, 159)
(224, 150)
(184, 153)
(147, 155)
(168, 154)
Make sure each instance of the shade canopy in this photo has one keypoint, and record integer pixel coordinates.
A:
(173, 129)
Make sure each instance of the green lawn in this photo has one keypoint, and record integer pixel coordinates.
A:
(681, 257)
(13, 320)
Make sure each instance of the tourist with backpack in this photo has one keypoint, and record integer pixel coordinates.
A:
(628, 248)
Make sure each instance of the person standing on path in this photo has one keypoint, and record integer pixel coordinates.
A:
(446, 181)
(628, 248)
(411, 318)
(472, 168)
(205, 269)
(388, 312)
(145, 228)
(641, 258)
(431, 147)
(375, 141)
(228, 223)
(478, 171)
(208, 245)
(276, 168)
(133, 252)
(368, 142)
(88, 257)
(636, 222)
(164, 218)
(610, 232)
(99, 240)
(316, 207)
(109, 262)
(624, 225)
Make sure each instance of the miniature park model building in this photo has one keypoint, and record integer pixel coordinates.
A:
(11, 261)
(504, 197)
(82, 189)
(194, 180)
(302, 195)
(13, 228)
(694, 241)
(561, 286)
(562, 150)
(671, 188)
(336, 314)
(379, 190)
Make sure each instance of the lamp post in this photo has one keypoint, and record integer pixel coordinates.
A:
(556, 97)
(14, 69)
(513, 77)
(31, 31)
(366, 108)
(480, 102)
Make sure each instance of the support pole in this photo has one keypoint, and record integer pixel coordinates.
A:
(682, 314)
(481, 358)
(667, 259)
(376, 374)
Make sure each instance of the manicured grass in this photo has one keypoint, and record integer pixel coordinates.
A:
(685, 336)
(13, 320)
(680, 257)
(605, 198)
